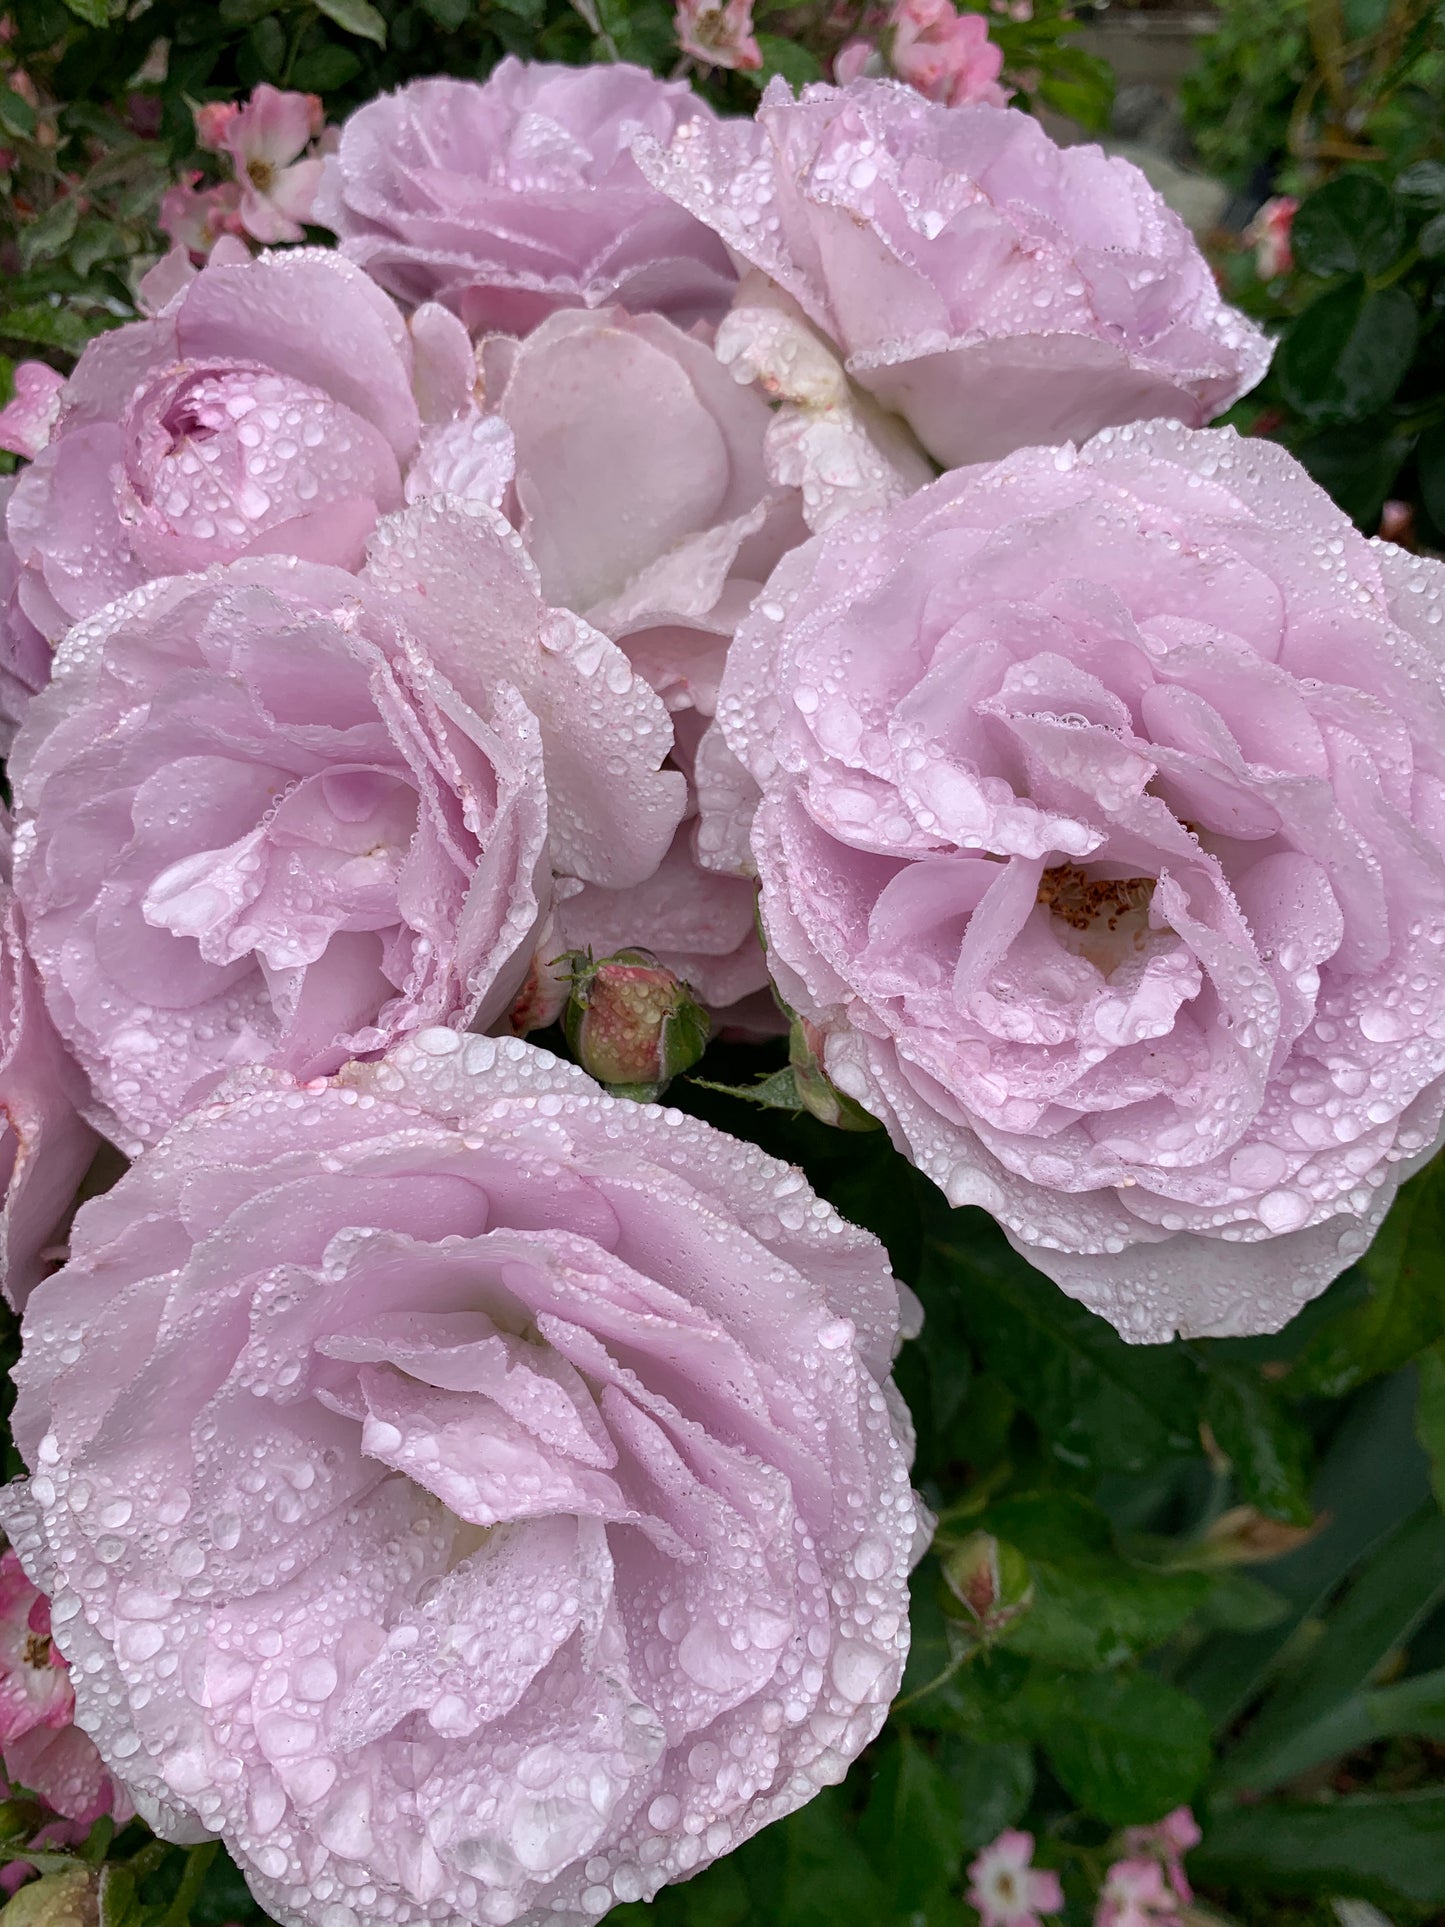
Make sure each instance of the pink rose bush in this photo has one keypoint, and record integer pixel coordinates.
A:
(718, 35)
(275, 406)
(280, 814)
(274, 145)
(946, 55)
(495, 1502)
(993, 289)
(41, 1748)
(509, 198)
(1103, 802)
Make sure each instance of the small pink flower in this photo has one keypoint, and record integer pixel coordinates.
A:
(34, 1680)
(28, 417)
(945, 55)
(1007, 1889)
(196, 219)
(266, 142)
(719, 36)
(1268, 234)
(1168, 1841)
(40, 1746)
(1135, 1895)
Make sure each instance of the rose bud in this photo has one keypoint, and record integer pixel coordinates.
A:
(632, 1024)
(990, 1580)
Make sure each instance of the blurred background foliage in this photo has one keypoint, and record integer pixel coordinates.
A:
(1209, 1573)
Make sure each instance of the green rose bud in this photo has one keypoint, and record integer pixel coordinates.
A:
(632, 1024)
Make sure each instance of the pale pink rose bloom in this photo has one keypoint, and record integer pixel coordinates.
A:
(514, 196)
(1268, 234)
(520, 1513)
(284, 815)
(946, 55)
(992, 288)
(1102, 827)
(273, 406)
(1168, 1841)
(195, 219)
(1006, 1887)
(266, 141)
(1135, 1895)
(854, 60)
(718, 35)
(28, 417)
(641, 486)
(41, 1748)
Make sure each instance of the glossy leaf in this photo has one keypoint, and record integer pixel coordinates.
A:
(912, 1826)
(1266, 1445)
(1382, 1847)
(356, 16)
(1350, 225)
(1346, 355)
(1099, 1403)
(1127, 1746)
(1430, 1415)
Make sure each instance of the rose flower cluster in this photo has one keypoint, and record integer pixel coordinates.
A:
(474, 1495)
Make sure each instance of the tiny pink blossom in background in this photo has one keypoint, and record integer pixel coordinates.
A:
(1006, 1887)
(946, 55)
(196, 218)
(1268, 234)
(1168, 1841)
(267, 142)
(1136, 1894)
(27, 418)
(40, 1746)
(719, 36)
(853, 62)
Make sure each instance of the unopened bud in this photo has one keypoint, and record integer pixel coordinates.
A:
(69, 1899)
(1244, 1536)
(816, 1091)
(632, 1024)
(990, 1580)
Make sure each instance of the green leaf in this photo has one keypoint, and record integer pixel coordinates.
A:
(796, 63)
(17, 116)
(1422, 184)
(1350, 225)
(1079, 85)
(1430, 465)
(1126, 1746)
(1430, 1415)
(1380, 1847)
(1345, 356)
(1431, 240)
(448, 14)
(41, 326)
(1405, 1311)
(1357, 464)
(994, 1781)
(356, 16)
(42, 240)
(1393, 1593)
(95, 13)
(1267, 1446)
(267, 43)
(1239, 1603)
(912, 1826)
(325, 69)
(1100, 1404)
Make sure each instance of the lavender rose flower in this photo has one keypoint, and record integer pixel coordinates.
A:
(1102, 826)
(274, 406)
(992, 288)
(281, 814)
(495, 1504)
(510, 198)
